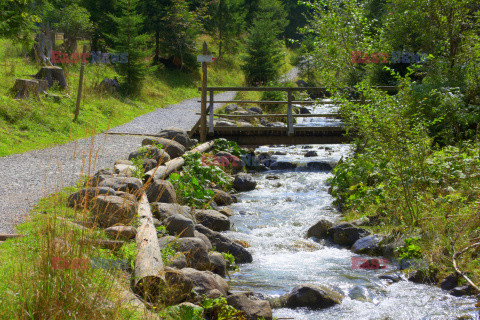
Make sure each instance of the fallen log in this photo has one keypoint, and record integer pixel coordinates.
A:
(162, 172)
(4, 237)
(149, 276)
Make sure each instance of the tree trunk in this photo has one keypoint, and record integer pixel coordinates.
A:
(24, 88)
(156, 58)
(149, 272)
(52, 74)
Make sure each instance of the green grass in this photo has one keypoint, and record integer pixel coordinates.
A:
(30, 124)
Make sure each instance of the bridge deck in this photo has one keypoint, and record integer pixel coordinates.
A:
(257, 136)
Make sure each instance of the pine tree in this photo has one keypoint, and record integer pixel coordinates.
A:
(263, 60)
(128, 41)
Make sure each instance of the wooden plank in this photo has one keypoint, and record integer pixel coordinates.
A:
(194, 129)
(316, 89)
(313, 115)
(289, 113)
(282, 102)
(279, 129)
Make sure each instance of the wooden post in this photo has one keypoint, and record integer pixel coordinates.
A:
(290, 117)
(80, 87)
(210, 126)
(203, 119)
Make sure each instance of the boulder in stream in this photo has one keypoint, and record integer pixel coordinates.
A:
(244, 182)
(346, 234)
(319, 229)
(313, 297)
(253, 308)
(213, 219)
(369, 245)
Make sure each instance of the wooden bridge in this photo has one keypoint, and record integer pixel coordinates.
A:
(252, 135)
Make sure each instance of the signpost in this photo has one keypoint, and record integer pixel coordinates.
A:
(204, 59)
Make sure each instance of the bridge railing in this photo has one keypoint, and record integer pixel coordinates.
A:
(209, 111)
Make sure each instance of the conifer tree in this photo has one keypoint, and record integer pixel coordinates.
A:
(129, 42)
(263, 60)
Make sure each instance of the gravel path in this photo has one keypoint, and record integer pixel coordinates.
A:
(30, 176)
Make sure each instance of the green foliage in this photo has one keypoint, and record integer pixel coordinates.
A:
(219, 309)
(168, 252)
(74, 21)
(228, 146)
(230, 259)
(410, 251)
(129, 251)
(196, 177)
(17, 18)
(127, 40)
(183, 312)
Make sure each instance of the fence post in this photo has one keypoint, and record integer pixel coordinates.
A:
(203, 119)
(290, 117)
(80, 88)
(210, 126)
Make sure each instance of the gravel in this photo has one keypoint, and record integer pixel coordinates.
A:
(30, 176)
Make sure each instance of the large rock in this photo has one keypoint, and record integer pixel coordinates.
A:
(213, 219)
(310, 153)
(423, 276)
(346, 234)
(149, 164)
(227, 160)
(178, 135)
(449, 282)
(313, 297)
(244, 182)
(161, 191)
(223, 244)
(121, 232)
(304, 110)
(179, 286)
(84, 196)
(257, 110)
(161, 210)
(111, 210)
(224, 123)
(283, 165)
(369, 245)
(180, 226)
(150, 152)
(127, 184)
(230, 108)
(253, 309)
(98, 177)
(173, 148)
(195, 252)
(218, 264)
(204, 238)
(222, 198)
(319, 166)
(205, 281)
(319, 229)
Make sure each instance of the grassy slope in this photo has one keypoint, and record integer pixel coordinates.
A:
(30, 124)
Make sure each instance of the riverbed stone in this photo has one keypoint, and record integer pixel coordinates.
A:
(98, 177)
(84, 196)
(121, 232)
(462, 291)
(304, 110)
(206, 281)
(112, 210)
(223, 244)
(422, 276)
(449, 282)
(313, 297)
(173, 148)
(161, 210)
(161, 191)
(310, 153)
(319, 229)
(179, 285)
(222, 198)
(195, 251)
(346, 234)
(253, 308)
(224, 123)
(283, 165)
(204, 239)
(368, 245)
(150, 152)
(179, 226)
(218, 264)
(212, 219)
(127, 184)
(178, 135)
(244, 182)
(319, 166)
(391, 277)
(231, 107)
(149, 164)
(124, 169)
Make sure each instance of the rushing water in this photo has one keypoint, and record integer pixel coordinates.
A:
(274, 219)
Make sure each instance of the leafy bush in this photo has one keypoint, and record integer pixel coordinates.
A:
(230, 259)
(219, 309)
(228, 146)
(191, 185)
(184, 312)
